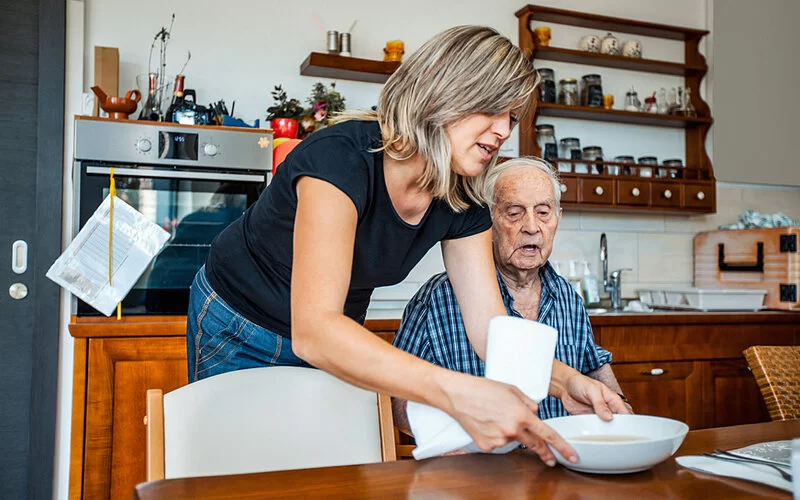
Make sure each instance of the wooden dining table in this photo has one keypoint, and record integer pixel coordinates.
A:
(515, 475)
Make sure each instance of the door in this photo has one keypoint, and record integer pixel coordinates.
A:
(31, 159)
(670, 389)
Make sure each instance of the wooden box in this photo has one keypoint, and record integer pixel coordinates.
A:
(765, 259)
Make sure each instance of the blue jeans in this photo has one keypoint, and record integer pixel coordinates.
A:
(219, 340)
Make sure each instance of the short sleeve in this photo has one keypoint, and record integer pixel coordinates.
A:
(474, 220)
(335, 159)
(412, 336)
(594, 355)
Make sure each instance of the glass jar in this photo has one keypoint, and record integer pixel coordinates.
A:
(546, 138)
(592, 91)
(676, 168)
(594, 154)
(548, 85)
(568, 91)
(647, 160)
(626, 169)
(568, 148)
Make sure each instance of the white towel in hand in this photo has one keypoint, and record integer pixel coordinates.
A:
(518, 352)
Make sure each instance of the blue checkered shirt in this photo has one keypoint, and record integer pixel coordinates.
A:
(433, 329)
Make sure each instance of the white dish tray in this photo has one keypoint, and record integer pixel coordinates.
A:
(703, 299)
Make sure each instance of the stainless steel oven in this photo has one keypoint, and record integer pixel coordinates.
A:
(192, 181)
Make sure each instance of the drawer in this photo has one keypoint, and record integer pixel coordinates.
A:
(665, 194)
(633, 192)
(698, 196)
(597, 191)
(569, 189)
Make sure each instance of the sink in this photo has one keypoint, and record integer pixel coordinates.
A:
(596, 310)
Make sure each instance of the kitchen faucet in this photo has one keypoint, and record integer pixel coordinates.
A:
(612, 283)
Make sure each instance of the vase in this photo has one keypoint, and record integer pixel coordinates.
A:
(284, 127)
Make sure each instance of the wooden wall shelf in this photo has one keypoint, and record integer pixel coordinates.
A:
(606, 23)
(696, 191)
(619, 62)
(620, 116)
(347, 68)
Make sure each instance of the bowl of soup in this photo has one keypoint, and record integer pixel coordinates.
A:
(628, 443)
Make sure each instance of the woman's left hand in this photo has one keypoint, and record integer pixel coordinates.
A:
(583, 395)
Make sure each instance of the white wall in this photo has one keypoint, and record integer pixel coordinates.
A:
(242, 48)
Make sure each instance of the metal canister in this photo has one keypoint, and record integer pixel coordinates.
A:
(333, 41)
(344, 44)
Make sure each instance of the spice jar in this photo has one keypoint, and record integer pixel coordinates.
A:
(626, 169)
(547, 85)
(594, 153)
(568, 91)
(568, 148)
(675, 171)
(647, 160)
(546, 138)
(591, 91)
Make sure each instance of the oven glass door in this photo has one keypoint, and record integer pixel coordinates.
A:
(193, 206)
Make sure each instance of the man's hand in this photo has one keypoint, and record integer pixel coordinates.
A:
(584, 395)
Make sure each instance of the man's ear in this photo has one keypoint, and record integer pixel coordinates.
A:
(560, 212)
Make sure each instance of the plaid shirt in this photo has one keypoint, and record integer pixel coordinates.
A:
(433, 329)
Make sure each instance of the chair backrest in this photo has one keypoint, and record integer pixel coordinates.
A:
(777, 372)
(267, 419)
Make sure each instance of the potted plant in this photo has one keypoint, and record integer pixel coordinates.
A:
(325, 103)
(283, 115)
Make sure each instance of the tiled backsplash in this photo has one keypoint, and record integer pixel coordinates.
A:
(657, 248)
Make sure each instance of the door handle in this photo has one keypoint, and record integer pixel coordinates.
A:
(19, 256)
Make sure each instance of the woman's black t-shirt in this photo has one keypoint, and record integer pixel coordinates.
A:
(250, 262)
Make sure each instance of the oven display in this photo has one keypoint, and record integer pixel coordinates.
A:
(177, 146)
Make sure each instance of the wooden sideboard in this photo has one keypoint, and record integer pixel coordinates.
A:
(684, 366)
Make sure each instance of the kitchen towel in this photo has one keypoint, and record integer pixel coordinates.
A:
(519, 352)
(749, 472)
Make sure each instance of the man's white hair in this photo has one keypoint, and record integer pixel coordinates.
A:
(523, 161)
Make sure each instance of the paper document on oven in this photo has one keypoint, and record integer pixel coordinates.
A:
(83, 267)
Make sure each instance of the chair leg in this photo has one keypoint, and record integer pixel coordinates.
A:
(154, 420)
(386, 424)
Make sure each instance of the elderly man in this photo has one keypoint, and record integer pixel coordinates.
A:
(525, 213)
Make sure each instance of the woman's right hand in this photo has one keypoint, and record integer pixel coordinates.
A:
(495, 414)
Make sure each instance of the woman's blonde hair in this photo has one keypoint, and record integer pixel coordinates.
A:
(462, 71)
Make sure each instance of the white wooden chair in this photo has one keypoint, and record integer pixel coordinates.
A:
(265, 419)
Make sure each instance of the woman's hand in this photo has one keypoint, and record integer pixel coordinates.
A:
(584, 395)
(495, 414)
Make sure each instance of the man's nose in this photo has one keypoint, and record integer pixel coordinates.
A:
(502, 125)
(530, 223)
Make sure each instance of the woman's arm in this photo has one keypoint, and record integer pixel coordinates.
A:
(492, 413)
(470, 268)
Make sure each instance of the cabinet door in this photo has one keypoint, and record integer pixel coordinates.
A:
(119, 373)
(569, 189)
(633, 192)
(597, 191)
(670, 389)
(731, 395)
(665, 194)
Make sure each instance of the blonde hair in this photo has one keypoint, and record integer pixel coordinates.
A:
(462, 71)
(523, 161)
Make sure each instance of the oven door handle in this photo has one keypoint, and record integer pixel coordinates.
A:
(177, 174)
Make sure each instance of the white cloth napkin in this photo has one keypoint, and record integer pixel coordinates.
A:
(749, 472)
(518, 352)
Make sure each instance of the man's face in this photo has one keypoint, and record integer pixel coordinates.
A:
(525, 219)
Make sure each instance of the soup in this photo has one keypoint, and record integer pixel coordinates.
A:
(607, 438)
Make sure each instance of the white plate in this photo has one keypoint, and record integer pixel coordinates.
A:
(661, 438)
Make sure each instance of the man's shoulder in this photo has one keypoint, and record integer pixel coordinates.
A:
(436, 289)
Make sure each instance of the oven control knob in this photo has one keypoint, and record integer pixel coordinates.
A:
(144, 145)
(210, 150)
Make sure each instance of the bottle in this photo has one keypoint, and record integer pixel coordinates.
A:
(177, 99)
(151, 109)
(573, 279)
(591, 294)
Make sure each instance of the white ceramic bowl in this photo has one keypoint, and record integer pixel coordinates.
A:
(658, 439)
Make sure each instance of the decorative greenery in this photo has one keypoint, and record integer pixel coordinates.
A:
(284, 107)
(324, 102)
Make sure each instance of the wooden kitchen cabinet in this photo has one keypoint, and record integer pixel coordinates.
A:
(667, 389)
(731, 395)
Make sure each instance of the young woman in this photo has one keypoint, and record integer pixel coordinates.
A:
(355, 206)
